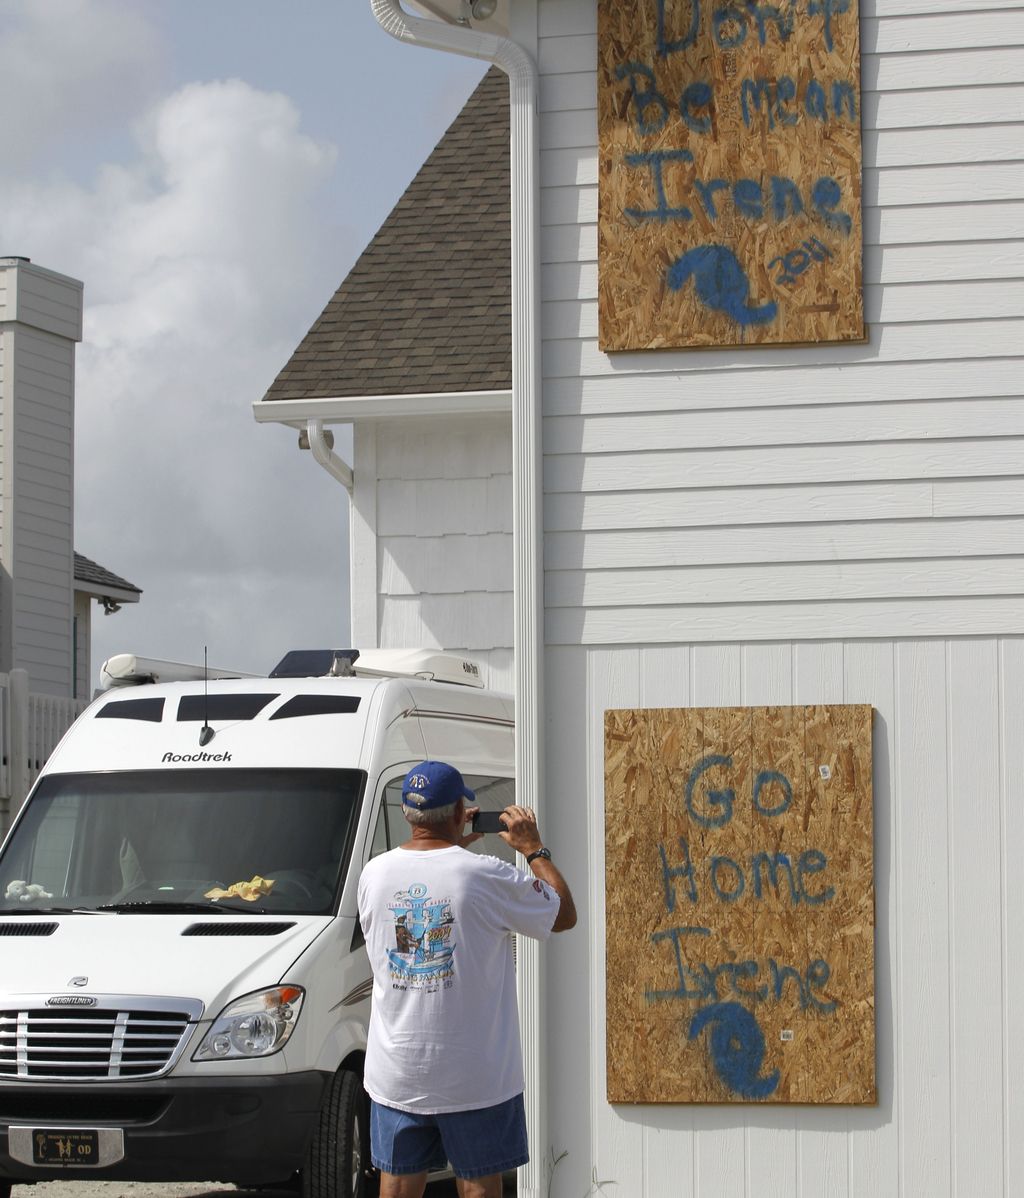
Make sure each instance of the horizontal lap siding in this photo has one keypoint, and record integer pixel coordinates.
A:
(41, 425)
(42, 299)
(816, 524)
(841, 484)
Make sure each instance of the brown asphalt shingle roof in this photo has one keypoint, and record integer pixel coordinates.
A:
(427, 307)
(86, 570)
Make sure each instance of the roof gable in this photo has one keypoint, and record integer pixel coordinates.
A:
(427, 308)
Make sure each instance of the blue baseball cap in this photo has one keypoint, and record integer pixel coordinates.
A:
(434, 784)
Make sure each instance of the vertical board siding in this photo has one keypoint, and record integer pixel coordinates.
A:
(948, 821)
(615, 1150)
(1011, 910)
(570, 780)
(976, 994)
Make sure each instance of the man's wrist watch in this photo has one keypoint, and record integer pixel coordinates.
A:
(545, 853)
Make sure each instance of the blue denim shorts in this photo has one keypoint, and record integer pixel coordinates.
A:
(475, 1143)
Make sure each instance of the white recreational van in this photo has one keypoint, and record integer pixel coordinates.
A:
(184, 991)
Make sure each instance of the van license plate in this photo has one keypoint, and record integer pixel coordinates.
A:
(65, 1148)
(54, 1146)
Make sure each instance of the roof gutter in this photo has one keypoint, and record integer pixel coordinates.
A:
(527, 528)
(352, 409)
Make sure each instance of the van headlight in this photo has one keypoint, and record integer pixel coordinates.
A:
(254, 1026)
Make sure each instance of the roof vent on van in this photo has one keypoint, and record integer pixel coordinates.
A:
(27, 929)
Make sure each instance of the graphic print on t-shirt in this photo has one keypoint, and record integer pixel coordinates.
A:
(423, 956)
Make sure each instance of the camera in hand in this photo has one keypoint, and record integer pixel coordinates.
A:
(488, 821)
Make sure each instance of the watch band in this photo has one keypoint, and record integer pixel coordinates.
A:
(545, 853)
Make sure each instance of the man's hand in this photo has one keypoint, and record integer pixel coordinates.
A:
(470, 836)
(523, 834)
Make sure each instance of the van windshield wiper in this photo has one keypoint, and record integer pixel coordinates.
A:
(47, 911)
(169, 905)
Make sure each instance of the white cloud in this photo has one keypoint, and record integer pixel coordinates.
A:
(204, 263)
(66, 65)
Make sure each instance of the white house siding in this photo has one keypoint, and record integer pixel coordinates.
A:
(40, 319)
(949, 913)
(40, 298)
(83, 646)
(436, 515)
(41, 506)
(823, 524)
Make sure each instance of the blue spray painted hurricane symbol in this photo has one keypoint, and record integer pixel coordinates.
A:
(721, 283)
(737, 1048)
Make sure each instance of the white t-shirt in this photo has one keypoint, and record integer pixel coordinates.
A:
(444, 1027)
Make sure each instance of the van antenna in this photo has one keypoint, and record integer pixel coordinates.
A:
(206, 733)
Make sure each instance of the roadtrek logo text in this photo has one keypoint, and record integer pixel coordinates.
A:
(196, 757)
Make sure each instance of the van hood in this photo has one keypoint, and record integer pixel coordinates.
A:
(152, 956)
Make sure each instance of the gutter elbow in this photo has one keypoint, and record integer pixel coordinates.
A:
(325, 456)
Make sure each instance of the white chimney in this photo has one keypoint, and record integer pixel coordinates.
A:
(40, 321)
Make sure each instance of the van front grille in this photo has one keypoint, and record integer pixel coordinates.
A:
(76, 1044)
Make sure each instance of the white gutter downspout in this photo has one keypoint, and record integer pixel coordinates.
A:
(527, 529)
(325, 456)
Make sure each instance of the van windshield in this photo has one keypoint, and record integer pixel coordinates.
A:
(261, 841)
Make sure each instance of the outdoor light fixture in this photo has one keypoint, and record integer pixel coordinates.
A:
(482, 9)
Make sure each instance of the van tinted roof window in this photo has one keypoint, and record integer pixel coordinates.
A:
(222, 707)
(150, 710)
(302, 705)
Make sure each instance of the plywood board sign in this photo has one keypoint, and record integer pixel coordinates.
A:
(729, 173)
(739, 905)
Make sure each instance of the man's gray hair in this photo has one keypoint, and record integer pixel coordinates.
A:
(433, 815)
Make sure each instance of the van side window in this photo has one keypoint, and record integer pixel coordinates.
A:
(379, 844)
(398, 827)
(492, 794)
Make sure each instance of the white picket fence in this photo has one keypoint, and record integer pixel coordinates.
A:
(30, 727)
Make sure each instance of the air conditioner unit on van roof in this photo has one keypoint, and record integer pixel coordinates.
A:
(127, 669)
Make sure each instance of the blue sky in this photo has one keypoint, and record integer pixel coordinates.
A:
(210, 169)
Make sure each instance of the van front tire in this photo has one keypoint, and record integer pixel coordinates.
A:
(338, 1161)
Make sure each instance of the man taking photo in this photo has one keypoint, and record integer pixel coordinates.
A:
(443, 1061)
